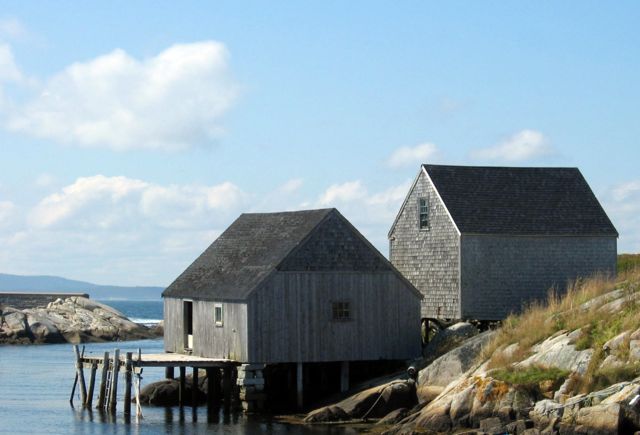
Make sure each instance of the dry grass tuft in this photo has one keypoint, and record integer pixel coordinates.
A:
(568, 312)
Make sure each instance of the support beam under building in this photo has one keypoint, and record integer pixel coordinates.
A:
(299, 385)
(344, 376)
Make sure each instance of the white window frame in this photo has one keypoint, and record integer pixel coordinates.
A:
(220, 322)
(426, 206)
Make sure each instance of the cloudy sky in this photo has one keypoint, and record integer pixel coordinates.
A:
(133, 133)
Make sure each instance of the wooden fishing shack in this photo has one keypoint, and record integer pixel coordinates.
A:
(293, 288)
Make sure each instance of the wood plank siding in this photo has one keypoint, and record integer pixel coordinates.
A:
(290, 318)
(209, 340)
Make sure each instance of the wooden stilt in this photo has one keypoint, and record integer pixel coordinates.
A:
(344, 376)
(213, 387)
(168, 373)
(194, 387)
(226, 386)
(103, 381)
(75, 382)
(299, 385)
(182, 386)
(127, 382)
(113, 397)
(80, 372)
(92, 383)
(138, 407)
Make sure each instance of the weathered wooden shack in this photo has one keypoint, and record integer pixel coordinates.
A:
(479, 242)
(292, 287)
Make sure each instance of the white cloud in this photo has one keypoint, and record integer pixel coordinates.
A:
(292, 185)
(101, 203)
(408, 156)
(341, 193)
(132, 231)
(171, 101)
(524, 145)
(9, 71)
(622, 204)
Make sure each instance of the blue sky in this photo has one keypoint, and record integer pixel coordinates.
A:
(131, 135)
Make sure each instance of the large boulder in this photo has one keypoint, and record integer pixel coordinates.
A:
(559, 351)
(167, 393)
(72, 320)
(449, 338)
(454, 363)
(374, 402)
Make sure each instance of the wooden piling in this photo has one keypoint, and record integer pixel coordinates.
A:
(92, 383)
(127, 381)
(181, 390)
(113, 397)
(169, 373)
(213, 387)
(344, 376)
(226, 386)
(80, 372)
(299, 385)
(103, 381)
(194, 387)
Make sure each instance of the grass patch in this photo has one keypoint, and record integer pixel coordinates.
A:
(530, 376)
(567, 312)
(612, 375)
(628, 262)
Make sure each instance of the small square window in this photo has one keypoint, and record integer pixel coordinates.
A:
(217, 314)
(341, 310)
(423, 213)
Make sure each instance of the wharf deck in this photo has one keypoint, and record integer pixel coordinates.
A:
(165, 360)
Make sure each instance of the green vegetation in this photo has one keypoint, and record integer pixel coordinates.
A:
(575, 310)
(628, 262)
(612, 375)
(531, 376)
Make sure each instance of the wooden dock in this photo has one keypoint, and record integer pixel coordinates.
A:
(219, 377)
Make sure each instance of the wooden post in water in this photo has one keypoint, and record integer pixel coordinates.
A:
(344, 376)
(182, 386)
(169, 373)
(194, 387)
(213, 387)
(299, 385)
(103, 381)
(75, 381)
(92, 383)
(127, 381)
(113, 397)
(226, 386)
(80, 372)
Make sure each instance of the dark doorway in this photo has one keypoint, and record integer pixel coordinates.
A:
(187, 310)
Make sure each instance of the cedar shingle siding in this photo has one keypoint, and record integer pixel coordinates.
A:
(499, 237)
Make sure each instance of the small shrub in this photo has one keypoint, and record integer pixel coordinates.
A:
(530, 378)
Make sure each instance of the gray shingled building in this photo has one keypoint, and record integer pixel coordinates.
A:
(478, 242)
(296, 287)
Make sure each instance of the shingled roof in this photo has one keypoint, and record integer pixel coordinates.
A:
(245, 254)
(522, 201)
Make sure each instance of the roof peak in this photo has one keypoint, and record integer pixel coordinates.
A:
(429, 165)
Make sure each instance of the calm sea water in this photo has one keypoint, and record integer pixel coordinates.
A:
(35, 384)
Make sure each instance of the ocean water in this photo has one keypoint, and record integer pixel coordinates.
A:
(36, 381)
(148, 312)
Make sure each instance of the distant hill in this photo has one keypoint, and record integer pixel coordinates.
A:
(45, 283)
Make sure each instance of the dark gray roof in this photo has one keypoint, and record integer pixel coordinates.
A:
(245, 254)
(524, 201)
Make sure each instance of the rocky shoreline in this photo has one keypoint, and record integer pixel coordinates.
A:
(70, 320)
(542, 391)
